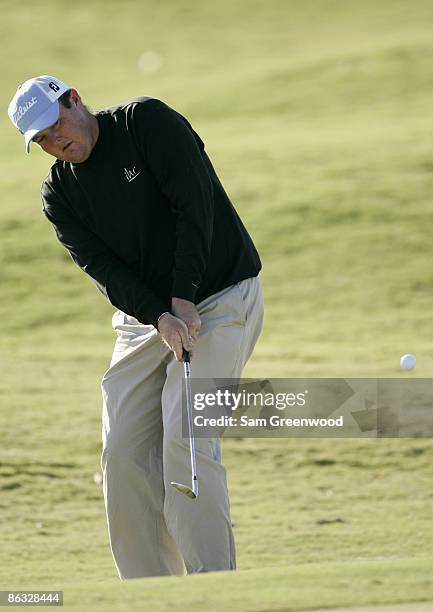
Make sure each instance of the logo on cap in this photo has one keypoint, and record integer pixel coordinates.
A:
(21, 110)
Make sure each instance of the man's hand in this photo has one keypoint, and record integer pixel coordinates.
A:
(175, 335)
(180, 330)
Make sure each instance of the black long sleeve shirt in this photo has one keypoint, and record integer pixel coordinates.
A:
(145, 216)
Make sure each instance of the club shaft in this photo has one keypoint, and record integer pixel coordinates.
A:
(187, 377)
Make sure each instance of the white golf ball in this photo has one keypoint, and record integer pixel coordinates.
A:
(407, 362)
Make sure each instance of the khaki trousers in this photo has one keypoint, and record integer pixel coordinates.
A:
(153, 529)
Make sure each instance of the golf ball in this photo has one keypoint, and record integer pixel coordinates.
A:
(407, 362)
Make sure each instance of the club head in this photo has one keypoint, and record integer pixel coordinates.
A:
(184, 489)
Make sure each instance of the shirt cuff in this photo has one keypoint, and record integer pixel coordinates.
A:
(184, 287)
(152, 314)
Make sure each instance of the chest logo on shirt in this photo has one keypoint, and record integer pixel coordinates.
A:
(130, 175)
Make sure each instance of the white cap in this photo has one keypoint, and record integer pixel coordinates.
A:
(35, 105)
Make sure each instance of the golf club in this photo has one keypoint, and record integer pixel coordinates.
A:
(192, 491)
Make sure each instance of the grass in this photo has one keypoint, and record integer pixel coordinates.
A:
(317, 116)
(280, 589)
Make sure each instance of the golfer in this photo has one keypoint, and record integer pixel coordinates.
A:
(134, 198)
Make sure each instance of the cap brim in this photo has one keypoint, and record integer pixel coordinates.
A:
(42, 123)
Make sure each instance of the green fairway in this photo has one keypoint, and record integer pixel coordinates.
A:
(317, 116)
(304, 587)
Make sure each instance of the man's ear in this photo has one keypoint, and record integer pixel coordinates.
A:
(75, 97)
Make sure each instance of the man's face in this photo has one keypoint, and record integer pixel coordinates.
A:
(71, 138)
